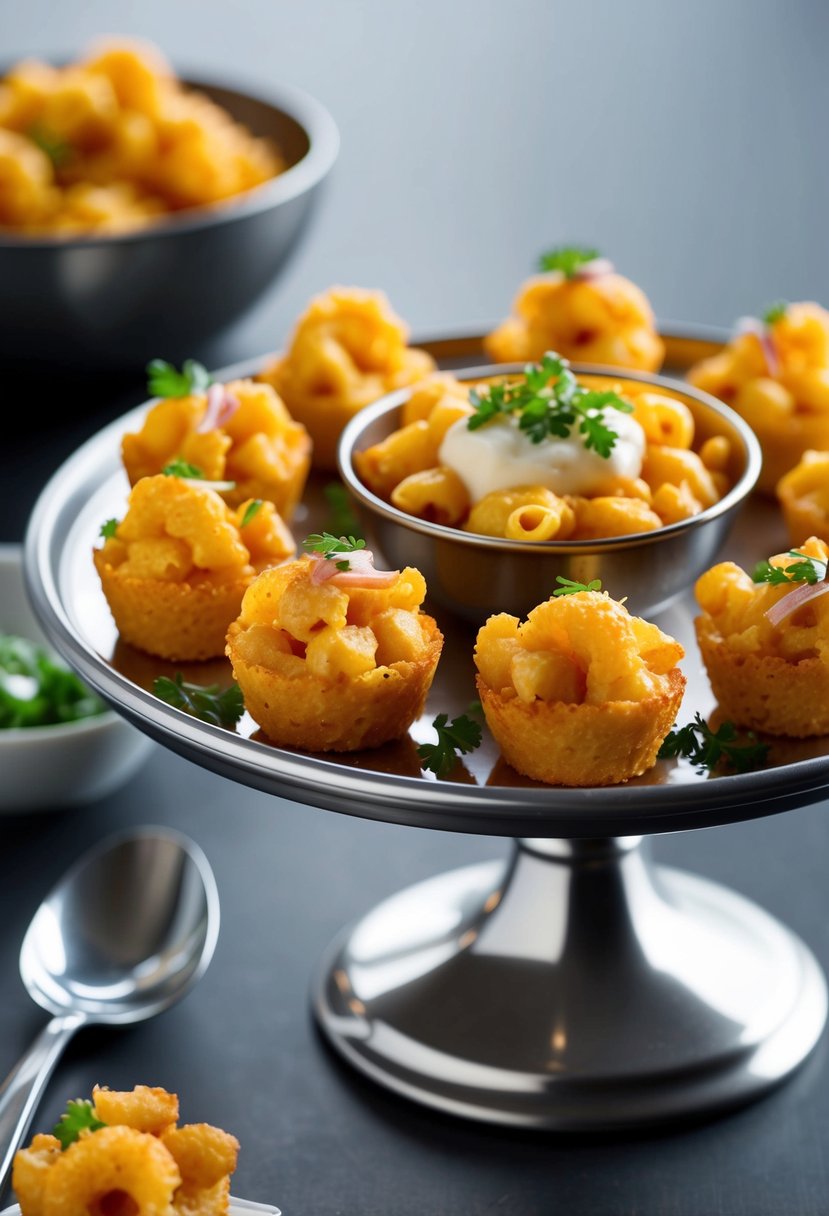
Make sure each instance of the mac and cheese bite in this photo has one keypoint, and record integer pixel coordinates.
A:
(579, 306)
(239, 432)
(124, 1154)
(175, 568)
(765, 643)
(547, 457)
(581, 693)
(347, 350)
(775, 373)
(803, 494)
(114, 142)
(333, 655)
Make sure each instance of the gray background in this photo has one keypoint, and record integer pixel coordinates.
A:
(688, 142)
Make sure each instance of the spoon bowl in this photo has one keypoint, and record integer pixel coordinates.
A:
(124, 934)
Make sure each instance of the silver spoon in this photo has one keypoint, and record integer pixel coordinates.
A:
(128, 929)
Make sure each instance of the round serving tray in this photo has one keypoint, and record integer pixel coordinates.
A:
(483, 795)
(578, 986)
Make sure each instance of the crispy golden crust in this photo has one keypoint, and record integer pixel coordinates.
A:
(179, 621)
(113, 1160)
(766, 692)
(344, 714)
(144, 1108)
(581, 744)
(784, 443)
(804, 517)
(30, 1171)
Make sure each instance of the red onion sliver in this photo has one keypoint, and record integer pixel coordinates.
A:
(594, 270)
(221, 406)
(762, 332)
(360, 572)
(230, 405)
(365, 578)
(790, 603)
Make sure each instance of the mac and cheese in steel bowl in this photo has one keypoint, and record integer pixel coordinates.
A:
(496, 480)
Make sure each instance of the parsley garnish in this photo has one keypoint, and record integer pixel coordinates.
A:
(343, 519)
(250, 511)
(775, 312)
(807, 570)
(181, 468)
(108, 529)
(568, 587)
(59, 151)
(568, 259)
(78, 1117)
(706, 748)
(329, 546)
(164, 381)
(209, 702)
(550, 401)
(459, 735)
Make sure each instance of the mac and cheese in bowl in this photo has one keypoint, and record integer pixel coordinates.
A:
(498, 480)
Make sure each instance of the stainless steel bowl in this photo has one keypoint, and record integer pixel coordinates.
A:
(161, 290)
(475, 576)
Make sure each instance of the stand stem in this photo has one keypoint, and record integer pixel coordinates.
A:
(577, 986)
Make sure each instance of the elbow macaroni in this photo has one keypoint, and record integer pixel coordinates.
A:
(780, 386)
(676, 482)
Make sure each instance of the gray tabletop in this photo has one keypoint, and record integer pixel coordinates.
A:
(686, 142)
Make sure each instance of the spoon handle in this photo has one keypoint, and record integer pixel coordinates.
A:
(24, 1085)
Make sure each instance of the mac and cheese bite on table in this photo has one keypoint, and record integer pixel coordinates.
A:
(775, 374)
(240, 432)
(348, 349)
(175, 568)
(125, 1154)
(331, 654)
(764, 639)
(114, 142)
(547, 457)
(581, 693)
(580, 307)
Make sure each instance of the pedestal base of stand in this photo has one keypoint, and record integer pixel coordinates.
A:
(577, 987)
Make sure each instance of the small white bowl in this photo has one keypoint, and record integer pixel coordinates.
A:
(46, 768)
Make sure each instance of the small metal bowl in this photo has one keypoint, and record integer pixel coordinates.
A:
(475, 575)
(95, 301)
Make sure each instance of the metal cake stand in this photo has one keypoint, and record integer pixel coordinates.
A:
(577, 986)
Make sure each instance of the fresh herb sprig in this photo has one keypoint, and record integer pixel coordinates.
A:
(569, 587)
(108, 529)
(78, 1117)
(251, 511)
(550, 401)
(208, 702)
(182, 468)
(462, 734)
(775, 312)
(342, 516)
(706, 748)
(332, 547)
(163, 380)
(568, 259)
(807, 570)
(59, 150)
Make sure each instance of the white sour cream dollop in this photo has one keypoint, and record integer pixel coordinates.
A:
(499, 456)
